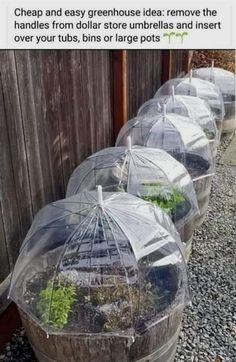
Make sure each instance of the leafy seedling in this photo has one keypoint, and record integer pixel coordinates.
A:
(163, 195)
(55, 303)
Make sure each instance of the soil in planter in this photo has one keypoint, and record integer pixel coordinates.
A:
(195, 164)
(110, 308)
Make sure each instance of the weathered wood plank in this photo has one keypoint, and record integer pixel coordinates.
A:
(120, 89)
(39, 101)
(16, 139)
(144, 77)
(179, 63)
(10, 223)
(86, 105)
(166, 65)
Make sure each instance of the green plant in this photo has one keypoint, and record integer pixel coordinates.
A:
(165, 196)
(55, 303)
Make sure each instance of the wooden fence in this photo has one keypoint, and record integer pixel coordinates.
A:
(56, 108)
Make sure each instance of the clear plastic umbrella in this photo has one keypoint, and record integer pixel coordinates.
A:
(149, 173)
(196, 109)
(136, 170)
(225, 80)
(99, 263)
(172, 133)
(197, 88)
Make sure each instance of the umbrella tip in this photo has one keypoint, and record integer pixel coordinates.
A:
(129, 143)
(100, 196)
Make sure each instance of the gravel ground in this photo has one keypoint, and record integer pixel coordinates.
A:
(209, 324)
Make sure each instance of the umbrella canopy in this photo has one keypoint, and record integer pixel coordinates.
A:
(149, 173)
(197, 88)
(172, 133)
(194, 108)
(224, 79)
(99, 263)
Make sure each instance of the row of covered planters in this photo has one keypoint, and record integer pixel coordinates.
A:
(101, 275)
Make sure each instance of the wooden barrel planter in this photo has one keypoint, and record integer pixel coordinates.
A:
(158, 344)
(202, 187)
(225, 81)
(185, 226)
(80, 304)
(186, 234)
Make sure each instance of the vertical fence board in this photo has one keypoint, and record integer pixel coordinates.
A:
(119, 91)
(179, 63)
(166, 65)
(144, 77)
(85, 125)
(38, 103)
(9, 212)
(22, 196)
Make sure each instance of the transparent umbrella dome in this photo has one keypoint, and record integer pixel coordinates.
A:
(196, 109)
(197, 88)
(225, 80)
(99, 263)
(149, 173)
(172, 133)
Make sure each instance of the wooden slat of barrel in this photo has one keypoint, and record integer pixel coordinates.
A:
(202, 187)
(74, 348)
